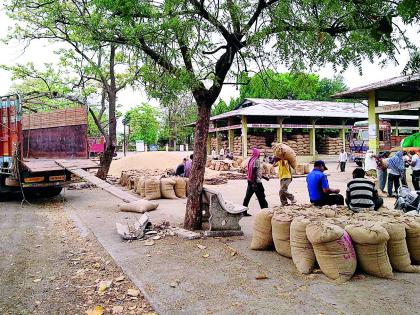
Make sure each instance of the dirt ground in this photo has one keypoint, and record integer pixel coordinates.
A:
(47, 267)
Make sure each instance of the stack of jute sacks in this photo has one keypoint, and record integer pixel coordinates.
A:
(155, 187)
(339, 240)
(330, 146)
(267, 169)
(259, 142)
(220, 165)
(300, 143)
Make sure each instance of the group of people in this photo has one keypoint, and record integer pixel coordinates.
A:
(184, 169)
(224, 153)
(394, 169)
(361, 192)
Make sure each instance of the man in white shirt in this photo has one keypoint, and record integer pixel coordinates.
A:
(342, 159)
(222, 153)
(415, 165)
(214, 154)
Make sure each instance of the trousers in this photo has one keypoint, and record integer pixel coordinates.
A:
(329, 200)
(258, 189)
(284, 194)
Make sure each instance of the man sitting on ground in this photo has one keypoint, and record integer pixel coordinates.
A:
(180, 168)
(361, 193)
(320, 193)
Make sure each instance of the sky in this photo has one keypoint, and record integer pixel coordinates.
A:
(42, 52)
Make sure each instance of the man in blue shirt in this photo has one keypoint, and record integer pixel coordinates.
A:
(320, 193)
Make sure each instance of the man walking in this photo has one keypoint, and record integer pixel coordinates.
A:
(342, 159)
(415, 165)
(285, 176)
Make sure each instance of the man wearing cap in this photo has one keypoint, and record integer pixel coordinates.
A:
(320, 193)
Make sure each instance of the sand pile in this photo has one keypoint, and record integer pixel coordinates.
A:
(148, 161)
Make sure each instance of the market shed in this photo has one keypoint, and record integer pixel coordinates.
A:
(403, 91)
(274, 116)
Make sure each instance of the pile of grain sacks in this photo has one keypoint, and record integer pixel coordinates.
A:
(152, 185)
(339, 240)
(299, 143)
(330, 146)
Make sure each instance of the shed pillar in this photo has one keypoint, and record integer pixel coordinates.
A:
(244, 135)
(397, 131)
(280, 129)
(373, 120)
(231, 136)
(209, 144)
(217, 138)
(312, 140)
(342, 134)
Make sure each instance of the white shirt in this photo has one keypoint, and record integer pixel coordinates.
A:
(415, 162)
(213, 154)
(222, 152)
(343, 157)
(370, 162)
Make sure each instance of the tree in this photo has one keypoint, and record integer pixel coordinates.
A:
(197, 46)
(296, 86)
(108, 64)
(143, 123)
(197, 43)
(176, 114)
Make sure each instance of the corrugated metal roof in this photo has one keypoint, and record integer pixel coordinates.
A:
(295, 108)
(402, 88)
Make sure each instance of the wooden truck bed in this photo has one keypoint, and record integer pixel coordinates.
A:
(45, 165)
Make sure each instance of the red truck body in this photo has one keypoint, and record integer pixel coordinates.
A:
(37, 148)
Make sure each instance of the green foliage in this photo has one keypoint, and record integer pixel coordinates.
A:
(143, 123)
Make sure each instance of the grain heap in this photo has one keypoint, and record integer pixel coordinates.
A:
(338, 239)
(330, 146)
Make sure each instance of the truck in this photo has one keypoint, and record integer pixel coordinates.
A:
(359, 139)
(39, 151)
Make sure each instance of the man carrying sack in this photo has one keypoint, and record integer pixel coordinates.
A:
(285, 176)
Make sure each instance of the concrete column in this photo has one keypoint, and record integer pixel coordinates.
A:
(280, 130)
(209, 144)
(231, 136)
(217, 139)
(312, 140)
(342, 135)
(397, 131)
(244, 136)
(373, 120)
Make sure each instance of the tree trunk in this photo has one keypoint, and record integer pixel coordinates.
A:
(192, 220)
(111, 143)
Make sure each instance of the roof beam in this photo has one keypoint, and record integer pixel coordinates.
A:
(399, 107)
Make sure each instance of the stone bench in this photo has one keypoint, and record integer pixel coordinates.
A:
(223, 217)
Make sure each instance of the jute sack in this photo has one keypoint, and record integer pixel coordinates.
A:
(140, 188)
(180, 187)
(262, 237)
(280, 226)
(334, 250)
(369, 241)
(130, 182)
(140, 206)
(413, 240)
(167, 188)
(284, 152)
(303, 255)
(399, 256)
(152, 189)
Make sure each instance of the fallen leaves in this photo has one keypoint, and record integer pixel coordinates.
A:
(37, 280)
(117, 309)
(103, 286)
(261, 276)
(97, 310)
(119, 279)
(133, 292)
(149, 243)
(206, 255)
(201, 246)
